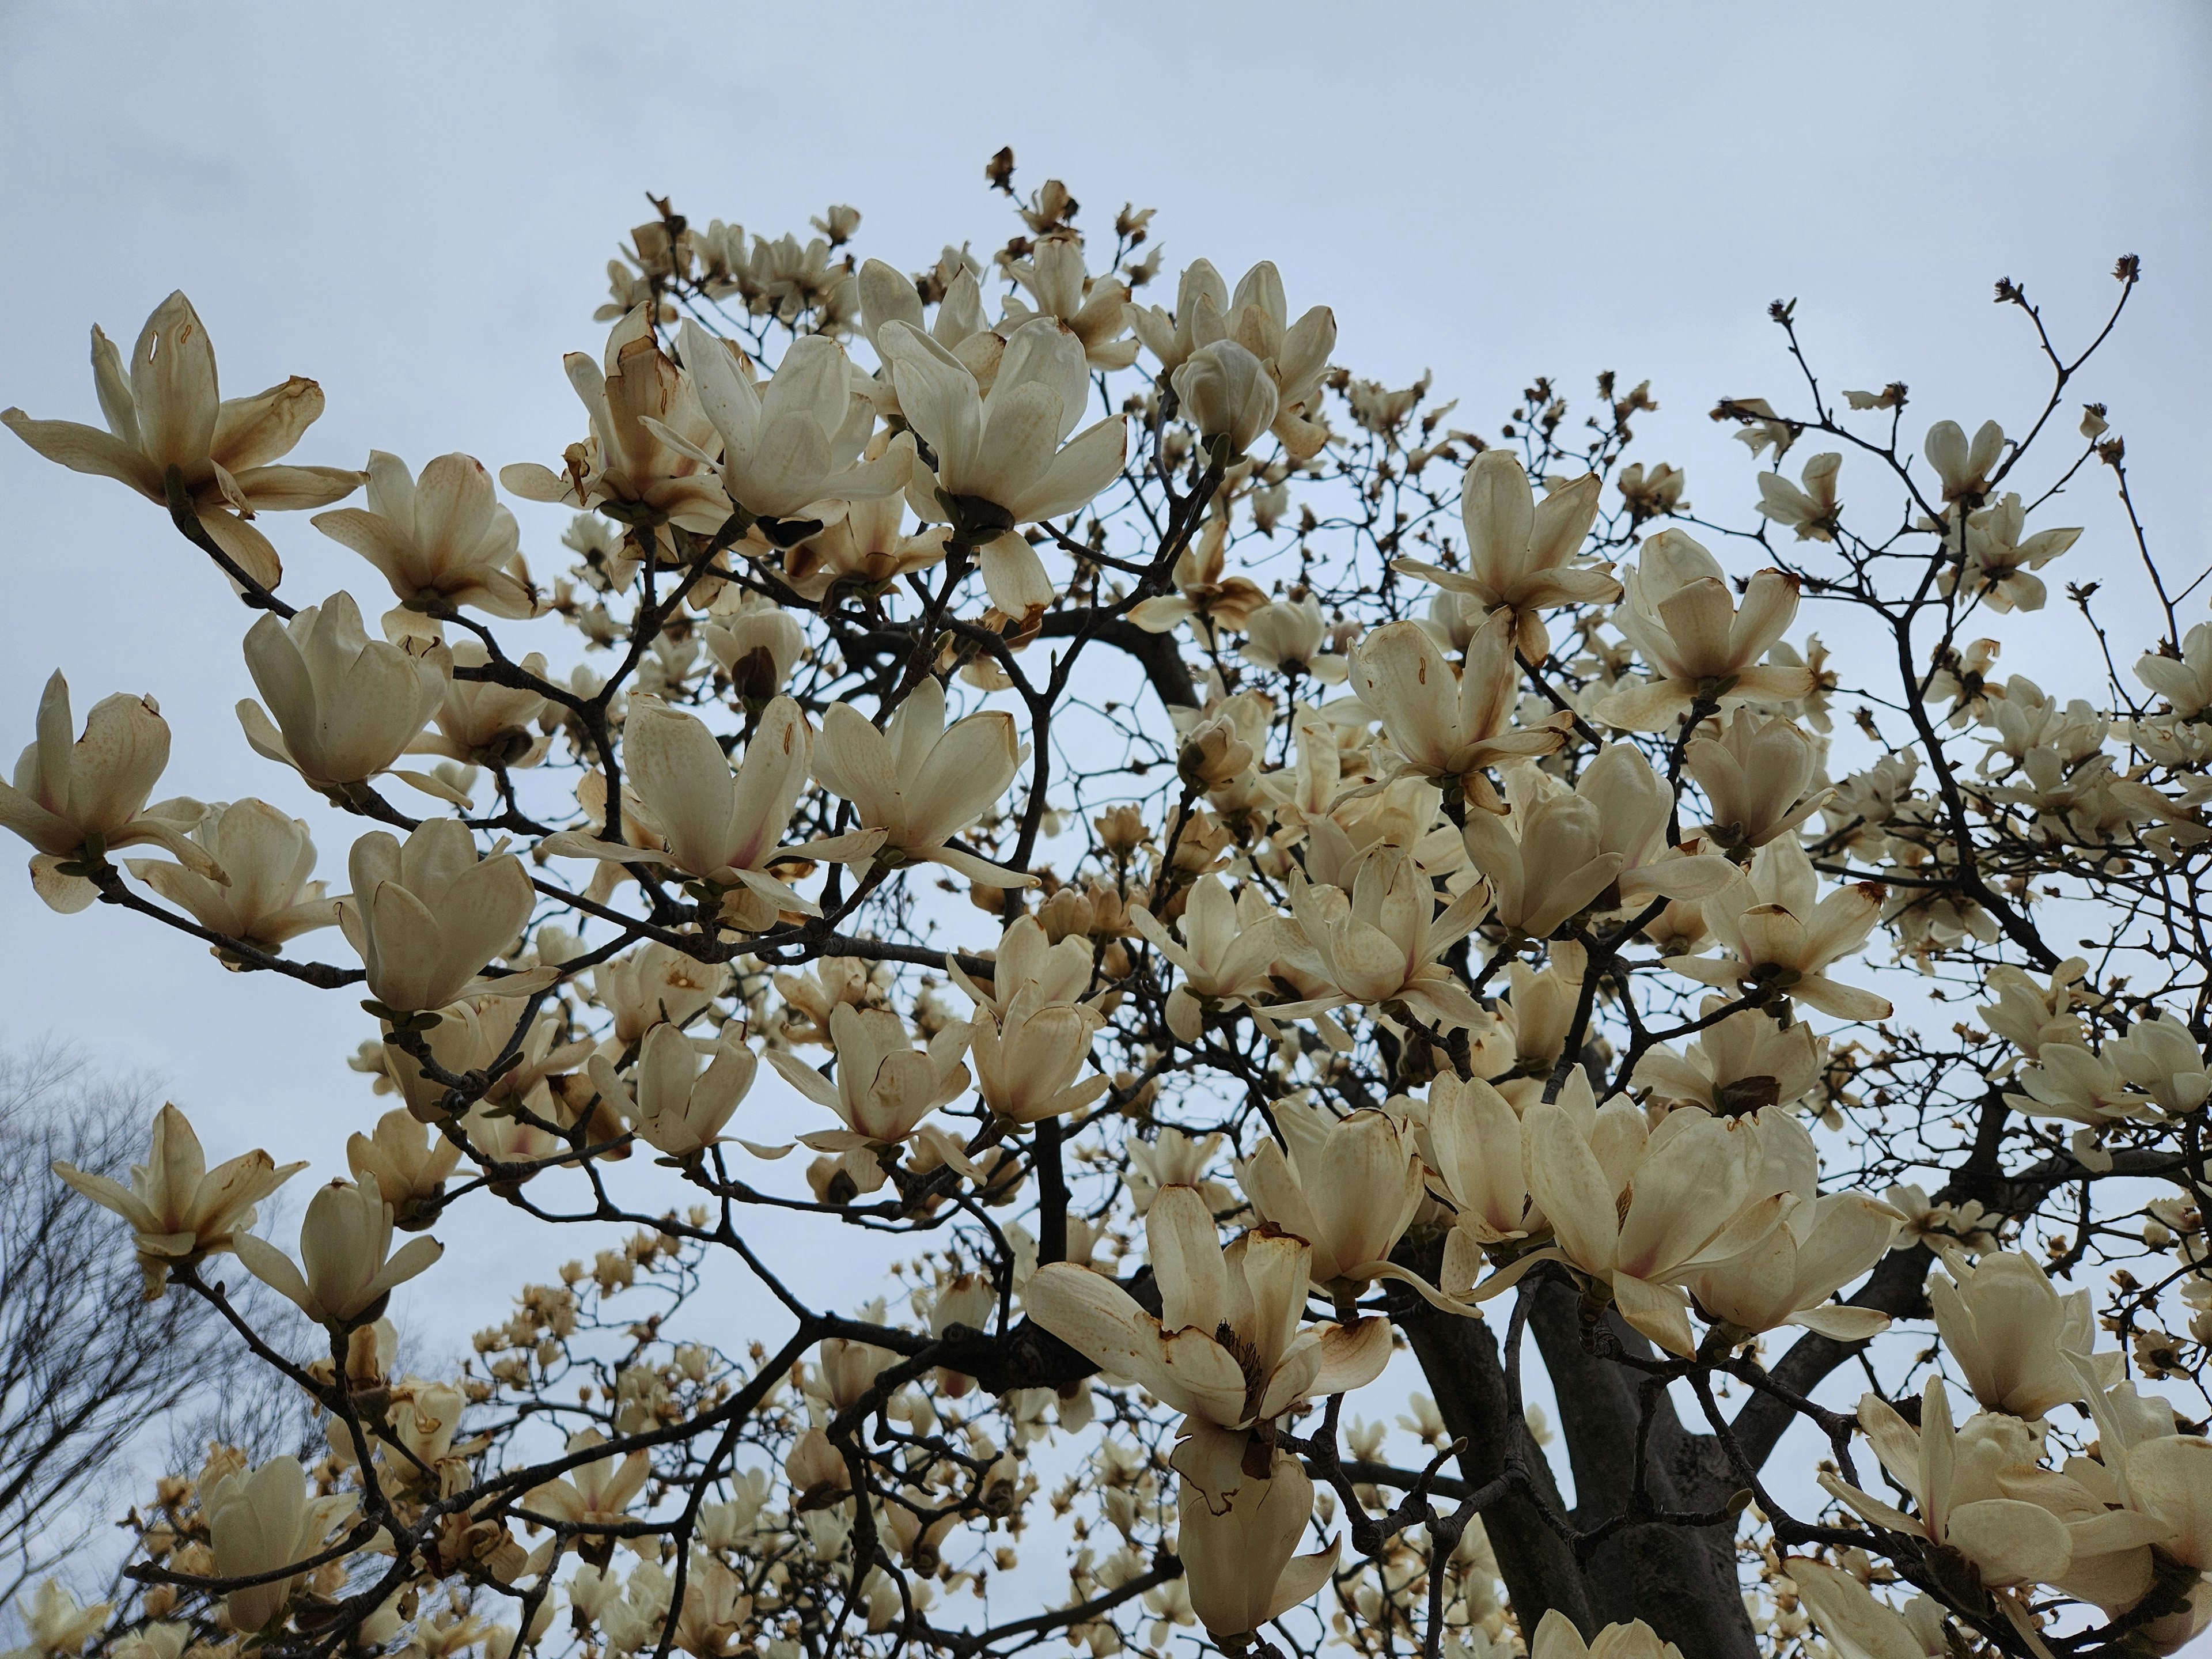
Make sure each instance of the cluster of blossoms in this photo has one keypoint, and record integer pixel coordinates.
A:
(1244, 877)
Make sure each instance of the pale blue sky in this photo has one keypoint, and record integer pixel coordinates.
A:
(413, 204)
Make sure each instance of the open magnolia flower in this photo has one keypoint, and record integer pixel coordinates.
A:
(1092, 308)
(1226, 954)
(1227, 1347)
(1239, 1542)
(791, 449)
(1030, 1057)
(1347, 1186)
(917, 783)
(345, 1244)
(999, 459)
(259, 1521)
(1204, 591)
(1385, 943)
(442, 540)
(627, 464)
(725, 828)
(1998, 564)
(1643, 1212)
(76, 801)
(409, 1163)
(1964, 467)
(1558, 1638)
(1822, 1243)
(889, 295)
(1257, 316)
(677, 1108)
(2185, 680)
(868, 547)
(595, 1489)
(481, 722)
(166, 412)
(1781, 935)
(1521, 553)
(1758, 778)
(427, 917)
(1287, 636)
(2010, 1332)
(1859, 1625)
(345, 706)
(1028, 962)
(757, 646)
(267, 859)
(180, 1210)
(1810, 510)
(1743, 1063)
(1703, 650)
(1450, 721)
(884, 1085)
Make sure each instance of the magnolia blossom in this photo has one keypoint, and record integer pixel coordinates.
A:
(680, 1109)
(1257, 316)
(1347, 1186)
(1030, 1055)
(1450, 721)
(636, 399)
(166, 412)
(481, 722)
(408, 1163)
(1758, 778)
(999, 457)
(1781, 933)
(345, 706)
(594, 1489)
(428, 915)
(868, 547)
(1542, 857)
(1702, 648)
(179, 1210)
(1385, 943)
(1810, 511)
(2161, 1056)
(1742, 1063)
(1520, 553)
(1229, 944)
(887, 296)
(789, 449)
(1240, 1555)
(1997, 560)
(268, 858)
(917, 783)
(1475, 1136)
(55, 1623)
(1858, 1625)
(345, 1243)
(1643, 1211)
(259, 1520)
(1963, 467)
(1227, 393)
(652, 983)
(1227, 1347)
(757, 646)
(885, 1086)
(76, 801)
(1204, 589)
(1288, 636)
(1091, 308)
(1028, 962)
(721, 826)
(2184, 681)
(2009, 1332)
(442, 540)
(1558, 1638)
(1787, 1278)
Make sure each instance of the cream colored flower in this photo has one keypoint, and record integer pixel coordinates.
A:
(596, 1490)
(1288, 635)
(346, 1245)
(77, 801)
(1227, 393)
(626, 463)
(791, 448)
(259, 1520)
(55, 1624)
(1781, 934)
(1558, 1638)
(1448, 720)
(2185, 683)
(1475, 1134)
(1543, 856)
(1744, 1063)
(483, 723)
(1963, 467)
(345, 706)
(757, 646)
(1172, 336)
(2009, 1332)
(1521, 553)
(178, 1209)
(1857, 1624)
(1241, 1559)
(867, 547)
(919, 782)
(1787, 1278)
(408, 1163)
(1759, 778)
(1643, 1212)
(652, 983)
(428, 915)
(166, 412)
(1204, 589)
(1227, 1347)
(999, 455)
(1295, 355)
(268, 858)
(1027, 961)
(680, 1109)
(1030, 1055)
(1347, 1186)
(885, 1086)
(1811, 510)
(442, 540)
(1701, 649)
(1091, 308)
(1998, 564)
(1385, 943)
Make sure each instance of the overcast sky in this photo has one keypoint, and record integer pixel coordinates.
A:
(413, 204)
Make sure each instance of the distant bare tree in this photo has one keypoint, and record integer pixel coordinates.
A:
(85, 1369)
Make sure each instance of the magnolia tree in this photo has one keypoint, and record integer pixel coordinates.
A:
(1228, 879)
